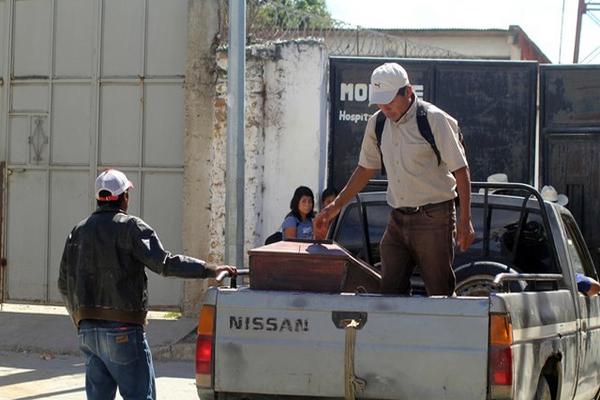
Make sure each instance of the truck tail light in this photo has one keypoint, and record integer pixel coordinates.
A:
(205, 346)
(500, 357)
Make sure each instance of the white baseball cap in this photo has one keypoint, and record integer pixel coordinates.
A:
(386, 80)
(549, 193)
(495, 178)
(113, 181)
(498, 178)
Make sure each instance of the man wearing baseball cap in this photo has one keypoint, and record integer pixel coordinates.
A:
(422, 186)
(103, 282)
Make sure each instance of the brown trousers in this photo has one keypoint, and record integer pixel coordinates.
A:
(425, 238)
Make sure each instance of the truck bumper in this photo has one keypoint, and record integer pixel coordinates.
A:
(205, 394)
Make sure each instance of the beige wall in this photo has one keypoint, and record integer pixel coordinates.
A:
(488, 47)
(493, 44)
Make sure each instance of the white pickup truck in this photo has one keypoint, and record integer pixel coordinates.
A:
(518, 328)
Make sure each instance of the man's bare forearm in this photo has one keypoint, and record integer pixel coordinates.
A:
(359, 179)
(463, 187)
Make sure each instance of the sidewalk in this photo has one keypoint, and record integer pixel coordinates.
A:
(48, 329)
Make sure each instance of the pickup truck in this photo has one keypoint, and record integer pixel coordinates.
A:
(517, 329)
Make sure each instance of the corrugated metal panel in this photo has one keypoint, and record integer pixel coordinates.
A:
(159, 190)
(18, 152)
(69, 204)
(27, 234)
(97, 85)
(120, 124)
(74, 43)
(32, 37)
(3, 43)
(163, 125)
(4, 35)
(71, 121)
(29, 96)
(123, 42)
(165, 53)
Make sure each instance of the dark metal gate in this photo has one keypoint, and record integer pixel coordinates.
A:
(570, 132)
(494, 102)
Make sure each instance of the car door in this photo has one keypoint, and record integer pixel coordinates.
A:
(589, 322)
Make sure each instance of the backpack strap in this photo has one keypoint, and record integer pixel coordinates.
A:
(425, 128)
(379, 124)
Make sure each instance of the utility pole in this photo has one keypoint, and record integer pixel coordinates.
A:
(589, 8)
(580, 12)
(234, 174)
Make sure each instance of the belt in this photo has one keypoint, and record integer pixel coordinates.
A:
(414, 210)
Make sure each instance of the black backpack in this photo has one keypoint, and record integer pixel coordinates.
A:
(424, 129)
(275, 237)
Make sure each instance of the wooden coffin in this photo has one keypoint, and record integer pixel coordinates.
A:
(310, 266)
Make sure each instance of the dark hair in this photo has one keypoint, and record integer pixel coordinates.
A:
(329, 191)
(298, 193)
(402, 91)
(114, 203)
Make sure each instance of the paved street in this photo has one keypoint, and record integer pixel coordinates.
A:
(29, 376)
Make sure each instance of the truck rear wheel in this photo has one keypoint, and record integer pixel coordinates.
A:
(477, 278)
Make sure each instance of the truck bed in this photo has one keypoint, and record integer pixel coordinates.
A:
(286, 343)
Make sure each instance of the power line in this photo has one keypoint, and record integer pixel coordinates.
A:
(590, 57)
(585, 8)
(562, 23)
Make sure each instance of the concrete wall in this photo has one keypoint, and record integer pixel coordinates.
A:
(285, 137)
(203, 26)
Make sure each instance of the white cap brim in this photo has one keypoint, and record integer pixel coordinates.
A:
(562, 200)
(382, 96)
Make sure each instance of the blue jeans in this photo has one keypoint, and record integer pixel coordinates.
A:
(116, 355)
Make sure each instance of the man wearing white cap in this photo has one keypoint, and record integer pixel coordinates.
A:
(103, 282)
(423, 180)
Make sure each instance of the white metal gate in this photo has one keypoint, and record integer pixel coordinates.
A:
(87, 85)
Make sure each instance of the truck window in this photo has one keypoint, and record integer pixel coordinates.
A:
(531, 254)
(350, 231)
(578, 254)
(523, 246)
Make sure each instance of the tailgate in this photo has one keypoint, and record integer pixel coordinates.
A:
(286, 343)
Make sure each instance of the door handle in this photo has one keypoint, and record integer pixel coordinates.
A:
(10, 171)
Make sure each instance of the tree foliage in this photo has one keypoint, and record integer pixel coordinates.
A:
(288, 14)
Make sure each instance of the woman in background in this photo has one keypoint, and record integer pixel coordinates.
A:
(298, 223)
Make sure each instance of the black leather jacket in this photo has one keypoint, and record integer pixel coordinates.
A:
(102, 272)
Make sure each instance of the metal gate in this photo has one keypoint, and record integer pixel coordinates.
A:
(88, 85)
(494, 102)
(570, 128)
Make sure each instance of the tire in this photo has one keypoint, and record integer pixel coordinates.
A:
(542, 391)
(477, 278)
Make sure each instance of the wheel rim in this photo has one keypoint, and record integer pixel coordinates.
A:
(477, 286)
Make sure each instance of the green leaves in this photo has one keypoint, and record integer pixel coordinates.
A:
(288, 14)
